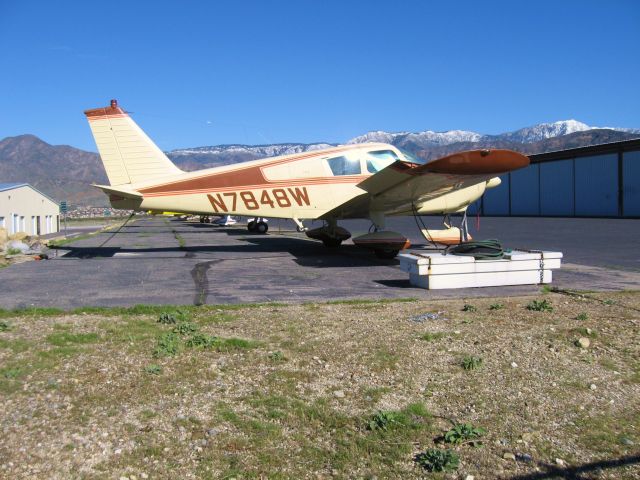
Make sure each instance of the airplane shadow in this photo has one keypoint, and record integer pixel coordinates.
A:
(579, 471)
(306, 253)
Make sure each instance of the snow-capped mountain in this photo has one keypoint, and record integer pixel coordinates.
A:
(545, 130)
(429, 138)
(425, 138)
(259, 150)
(427, 144)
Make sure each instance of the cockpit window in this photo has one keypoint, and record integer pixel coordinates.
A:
(379, 159)
(344, 166)
(412, 158)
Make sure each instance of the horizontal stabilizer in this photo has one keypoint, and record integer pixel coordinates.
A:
(119, 192)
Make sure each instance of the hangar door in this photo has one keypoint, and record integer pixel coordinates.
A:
(495, 201)
(631, 183)
(556, 188)
(596, 185)
(525, 191)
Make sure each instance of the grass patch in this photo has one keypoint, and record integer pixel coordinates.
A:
(432, 336)
(469, 308)
(64, 339)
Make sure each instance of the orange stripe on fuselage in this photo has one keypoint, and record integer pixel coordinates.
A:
(282, 184)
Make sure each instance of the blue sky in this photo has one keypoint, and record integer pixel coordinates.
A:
(201, 72)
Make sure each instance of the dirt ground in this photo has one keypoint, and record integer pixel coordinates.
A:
(325, 390)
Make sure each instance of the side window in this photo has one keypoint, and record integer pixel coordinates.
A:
(379, 159)
(344, 166)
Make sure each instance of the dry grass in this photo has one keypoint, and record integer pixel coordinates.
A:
(289, 391)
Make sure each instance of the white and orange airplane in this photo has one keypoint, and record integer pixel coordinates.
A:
(367, 180)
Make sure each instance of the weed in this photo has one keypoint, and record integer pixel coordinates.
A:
(437, 460)
(185, 328)
(431, 337)
(469, 308)
(540, 306)
(200, 340)
(171, 318)
(168, 345)
(609, 302)
(464, 432)
(14, 251)
(153, 369)
(277, 356)
(4, 326)
(496, 306)
(471, 362)
(582, 316)
(11, 373)
(63, 339)
(386, 419)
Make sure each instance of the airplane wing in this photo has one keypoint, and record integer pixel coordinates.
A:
(401, 185)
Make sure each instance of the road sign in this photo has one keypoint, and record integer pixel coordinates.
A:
(63, 206)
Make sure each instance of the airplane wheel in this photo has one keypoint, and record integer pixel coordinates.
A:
(251, 226)
(262, 227)
(386, 253)
(332, 242)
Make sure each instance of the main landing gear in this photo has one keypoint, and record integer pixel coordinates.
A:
(257, 225)
(384, 243)
(330, 234)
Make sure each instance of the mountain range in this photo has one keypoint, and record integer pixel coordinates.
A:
(65, 173)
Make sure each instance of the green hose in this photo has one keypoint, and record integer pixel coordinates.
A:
(480, 250)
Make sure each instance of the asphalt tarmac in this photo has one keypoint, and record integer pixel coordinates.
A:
(161, 260)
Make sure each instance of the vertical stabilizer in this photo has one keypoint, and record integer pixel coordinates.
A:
(128, 154)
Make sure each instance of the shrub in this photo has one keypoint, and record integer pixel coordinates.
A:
(437, 460)
(469, 308)
(4, 326)
(582, 316)
(496, 306)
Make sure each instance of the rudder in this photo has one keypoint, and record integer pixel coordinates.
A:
(127, 153)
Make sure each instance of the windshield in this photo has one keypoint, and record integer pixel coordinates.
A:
(412, 158)
(379, 159)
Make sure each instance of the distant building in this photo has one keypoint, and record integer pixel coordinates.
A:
(25, 209)
(595, 181)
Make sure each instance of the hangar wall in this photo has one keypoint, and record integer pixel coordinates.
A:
(595, 181)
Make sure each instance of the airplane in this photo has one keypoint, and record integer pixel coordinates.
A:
(366, 180)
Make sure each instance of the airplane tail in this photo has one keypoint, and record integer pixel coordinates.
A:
(127, 153)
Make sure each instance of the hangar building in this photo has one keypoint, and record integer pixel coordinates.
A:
(25, 209)
(594, 181)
